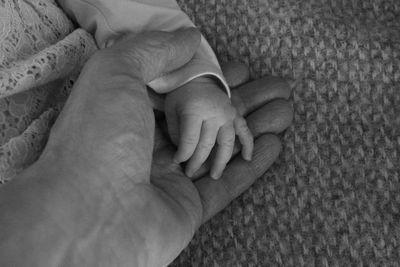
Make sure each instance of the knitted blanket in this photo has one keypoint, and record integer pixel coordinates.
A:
(333, 198)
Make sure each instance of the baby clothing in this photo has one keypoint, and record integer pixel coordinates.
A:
(107, 19)
(41, 54)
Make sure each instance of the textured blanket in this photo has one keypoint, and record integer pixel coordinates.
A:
(333, 197)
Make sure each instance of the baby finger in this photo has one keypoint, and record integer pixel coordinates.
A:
(190, 127)
(208, 136)
(245, 137)
(225, 141)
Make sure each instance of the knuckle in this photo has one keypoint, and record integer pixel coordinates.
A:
(206, 146)
(137, 57)
(240, 120)
(238, 103)
(241, 123)
(169, 49)
(232, 113)
(227, 113)
(228, 142)
(246, 131)
(189, 141)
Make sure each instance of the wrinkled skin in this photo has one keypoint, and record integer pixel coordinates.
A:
(109, 169)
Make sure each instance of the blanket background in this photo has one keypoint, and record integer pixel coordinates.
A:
(333, 198)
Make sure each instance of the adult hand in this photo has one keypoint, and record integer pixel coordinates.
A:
(95, 192)
(88, 200)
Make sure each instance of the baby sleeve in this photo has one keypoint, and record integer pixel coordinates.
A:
(106, 19)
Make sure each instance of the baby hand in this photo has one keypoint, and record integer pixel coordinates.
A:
(199, 115)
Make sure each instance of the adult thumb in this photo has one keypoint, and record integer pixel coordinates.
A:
(153, 54)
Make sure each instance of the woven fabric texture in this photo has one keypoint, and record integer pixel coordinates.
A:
(333, 197)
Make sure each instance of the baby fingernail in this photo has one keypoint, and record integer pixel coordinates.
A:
(215, 176)
(189, 174)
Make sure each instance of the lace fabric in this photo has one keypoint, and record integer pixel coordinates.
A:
(41, 54)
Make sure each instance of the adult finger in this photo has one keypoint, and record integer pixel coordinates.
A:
(253, 95)
(225, 141)
(152, 54)
(235, 73)
(237, 177)
(273, 117)
(190, 128)
(207, 140)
